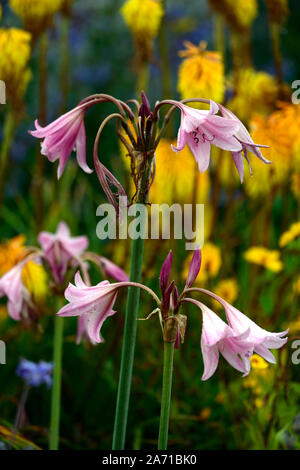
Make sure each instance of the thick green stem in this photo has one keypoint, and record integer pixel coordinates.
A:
(166, 396)
(8, 132)
(56, 389)
(131, 315)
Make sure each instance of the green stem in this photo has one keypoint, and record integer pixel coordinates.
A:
(166, 396)
(8, 132)
(275, 37)
(56, 389)
(130, 328)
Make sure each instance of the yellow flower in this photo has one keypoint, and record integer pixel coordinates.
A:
(258, 363)
(35, 280)
(11, 253)
(281, 132)
(36, 14)
(33, 275)
(239, 15)
(201, 73)
(291, 234)
(264, 257)
(15, 53)
(227, 289)
(177, 177)
(254, 91)
(259, 403)
(143, 17)
(210, 264)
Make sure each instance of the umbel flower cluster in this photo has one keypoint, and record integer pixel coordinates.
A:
(237, 340)
(199, 129)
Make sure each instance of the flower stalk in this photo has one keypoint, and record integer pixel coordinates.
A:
(8, 132)
(56, 389)
(166, 395)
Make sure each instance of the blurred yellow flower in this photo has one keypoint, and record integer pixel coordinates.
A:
(227, 289)
(35, 280)
(201, 73)
(11, 253)
(210, 264)
(291, 234)
(36, 14)
(239, 15)
(177, 178)
(15, 54)
(257, 362)
(260, 255)
(259, 403)
(33, 275)
(143, 17)
(281, 132)
(254, 91)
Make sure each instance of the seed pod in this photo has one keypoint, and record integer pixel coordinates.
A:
(170, 329)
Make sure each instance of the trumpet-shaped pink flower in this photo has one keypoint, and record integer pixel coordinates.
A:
(60, 248)
(12, 287)
(63, 135)
(93, 304)
(199, 129)
(262, 340)
(217, 337)
(258, 339)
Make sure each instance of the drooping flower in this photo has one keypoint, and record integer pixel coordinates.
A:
(199, 129)
(63, 135)
(35, 374)
(260, 255)
(201, 73)
(112, 270)
(12, 287)
(92, 303)
(60, 248)
(260, 341)
(217, 337)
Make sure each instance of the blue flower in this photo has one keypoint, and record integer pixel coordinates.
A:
(35, 374)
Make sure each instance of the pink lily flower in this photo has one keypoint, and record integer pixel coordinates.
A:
(93, 304)
(217, 337)
(12, 287)
(259, 340)
(199, 129)
(246, 141)
(63, 135)
(60, 248)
